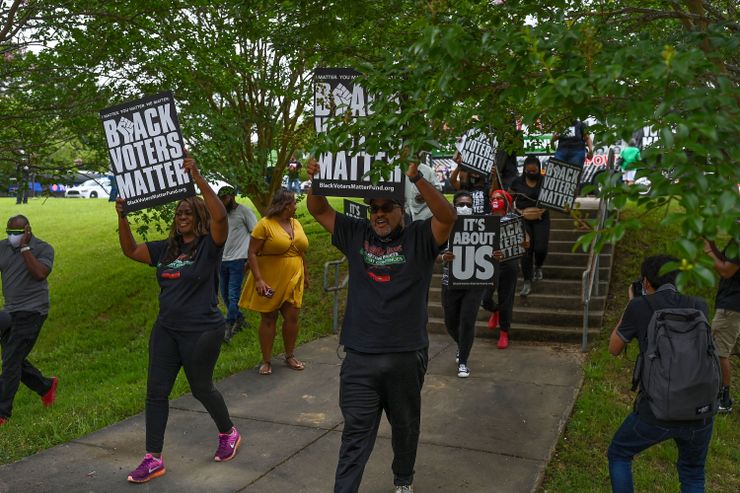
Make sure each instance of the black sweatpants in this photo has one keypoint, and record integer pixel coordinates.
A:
(196, 352)
(17, 341)
(539, 239)
(369, 385)
(461, 310)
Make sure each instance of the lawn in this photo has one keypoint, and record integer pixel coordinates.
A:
(580, 463)
(102, 309)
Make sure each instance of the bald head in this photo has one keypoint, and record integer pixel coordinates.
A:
(18, 222)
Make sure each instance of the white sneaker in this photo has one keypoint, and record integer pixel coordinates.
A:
(405, 489)
(538, 274)
(526, 288)
(463, 371)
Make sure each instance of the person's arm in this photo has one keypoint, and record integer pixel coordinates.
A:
(455, 175)
(589, 144)
(37, 270)
(724, 267)
(255, 247)
(317, 205)
(616, 344)
(219, 219)
(555, 137)
(443, 214)
(129, 247)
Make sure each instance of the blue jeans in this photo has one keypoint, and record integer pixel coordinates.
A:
(294, 186)
(635, 435)
(573, 156)
(232, 275)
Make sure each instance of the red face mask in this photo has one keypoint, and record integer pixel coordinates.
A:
(498, 205)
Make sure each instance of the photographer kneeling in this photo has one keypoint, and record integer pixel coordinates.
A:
(689, 418)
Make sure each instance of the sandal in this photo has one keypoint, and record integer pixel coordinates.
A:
(265, 368)
(296, 365)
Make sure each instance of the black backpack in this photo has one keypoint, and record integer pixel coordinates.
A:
(679, 372)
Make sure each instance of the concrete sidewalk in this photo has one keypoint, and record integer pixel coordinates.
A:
(492, 432)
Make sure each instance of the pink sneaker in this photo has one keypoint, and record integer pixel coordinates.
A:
(228, 444)
(150, 468)
(49, 397)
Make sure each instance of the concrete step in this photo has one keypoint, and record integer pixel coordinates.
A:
(538, 299)
(522, 332)
(566, 234)
(534, 315)
(566, 246)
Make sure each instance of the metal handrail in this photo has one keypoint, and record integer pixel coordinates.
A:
(590, 276)
(335, 288)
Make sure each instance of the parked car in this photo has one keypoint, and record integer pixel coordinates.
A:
(90, 189)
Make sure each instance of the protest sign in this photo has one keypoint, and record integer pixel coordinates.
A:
(559, 185)
(512, 237)
(343, 173)
(472, 242)
(353, 209)
(145, 148)
(477, 152)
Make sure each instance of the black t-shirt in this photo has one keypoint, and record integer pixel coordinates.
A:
(635, 322)
(479, 193)
(388, 285)
(526, 196)
(728, 293)
(572, 137)
(188, 296)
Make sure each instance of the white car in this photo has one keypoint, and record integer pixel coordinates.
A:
(90, 189)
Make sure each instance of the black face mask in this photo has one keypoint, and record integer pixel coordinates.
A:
(533, 176)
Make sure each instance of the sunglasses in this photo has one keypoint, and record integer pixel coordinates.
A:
(464, 204)
(15, 231)
(387, 207)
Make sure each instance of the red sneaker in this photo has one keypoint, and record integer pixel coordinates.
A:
(3, 420)
(493, 320)
(48, 398)
(503, 340)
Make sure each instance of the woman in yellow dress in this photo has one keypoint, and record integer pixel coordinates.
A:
(277, 276)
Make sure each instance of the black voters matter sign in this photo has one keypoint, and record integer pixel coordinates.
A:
(512, 237)
(559, 185)
(477, 152)
(145, 147)
(353, 209)
(473, 240)
(342, 173)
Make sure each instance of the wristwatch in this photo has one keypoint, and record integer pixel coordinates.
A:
(417, 177)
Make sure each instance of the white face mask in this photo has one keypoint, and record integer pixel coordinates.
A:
(15, 240)
(464, 210)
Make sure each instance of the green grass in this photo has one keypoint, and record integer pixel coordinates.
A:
(580, 463)
(102, 309)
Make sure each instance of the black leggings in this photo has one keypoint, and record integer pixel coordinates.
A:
(539, 239)
(505, 285)
(196, 352)
(461, 310)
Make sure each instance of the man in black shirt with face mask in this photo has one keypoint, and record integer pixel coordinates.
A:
(384, 330)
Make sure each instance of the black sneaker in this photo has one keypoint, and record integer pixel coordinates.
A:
(238, 325)
(229, 332)
(725, 403)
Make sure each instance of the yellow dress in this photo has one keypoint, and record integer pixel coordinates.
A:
(281, 266)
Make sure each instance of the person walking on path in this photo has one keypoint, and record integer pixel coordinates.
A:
(642, 429)
(278, 275)
(384, 331)
(460, 304)
(726, 323)
(25, 264)
(234, 260)
(189, 329)
(526, 190)
(627, 158)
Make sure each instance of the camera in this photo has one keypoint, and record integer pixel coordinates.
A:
(637, 288)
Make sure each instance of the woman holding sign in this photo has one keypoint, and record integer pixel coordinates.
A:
(526, 189)
(189, 328)
(277, 277)
(506, 275)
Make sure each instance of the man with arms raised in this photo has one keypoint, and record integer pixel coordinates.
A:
(384, 331)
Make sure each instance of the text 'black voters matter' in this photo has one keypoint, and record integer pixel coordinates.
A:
(512, 237)
(344, 173)
(477, 151)
(472, 242)
(559, 185)
(145, 147)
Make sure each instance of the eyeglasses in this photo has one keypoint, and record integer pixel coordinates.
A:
(387, 207)
(15, 231)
